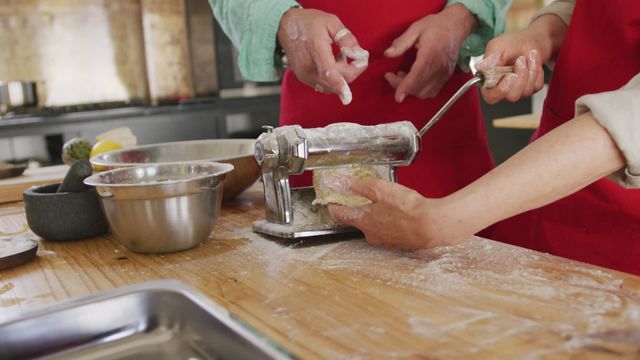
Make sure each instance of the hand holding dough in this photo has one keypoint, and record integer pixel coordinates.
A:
(326, 195)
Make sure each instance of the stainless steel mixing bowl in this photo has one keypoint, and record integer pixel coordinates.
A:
(164, 207)
(237, 152)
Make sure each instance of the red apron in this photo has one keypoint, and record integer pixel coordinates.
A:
(454, 151)
(601, 223)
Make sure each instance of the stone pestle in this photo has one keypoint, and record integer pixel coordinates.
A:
(73, 180)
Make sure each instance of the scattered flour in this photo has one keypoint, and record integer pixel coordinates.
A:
(573, 302)
(45, 253)
(14, 245)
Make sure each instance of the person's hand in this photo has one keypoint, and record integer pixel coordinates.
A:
(519, 50)
(437, 38)
(307, 36)
(398, 217)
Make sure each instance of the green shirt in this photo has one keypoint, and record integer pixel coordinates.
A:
(252, 26)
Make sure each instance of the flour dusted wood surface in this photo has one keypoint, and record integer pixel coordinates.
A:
(345, 300)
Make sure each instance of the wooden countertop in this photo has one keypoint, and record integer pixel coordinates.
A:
(11, 189)
(335, 300)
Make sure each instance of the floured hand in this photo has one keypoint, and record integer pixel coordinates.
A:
(307, 36)
(519, 50)
(437, 38)
(398, 217)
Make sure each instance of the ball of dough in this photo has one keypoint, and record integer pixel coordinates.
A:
(325, 195)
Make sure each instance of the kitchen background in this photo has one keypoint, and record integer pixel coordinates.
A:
(160, 67)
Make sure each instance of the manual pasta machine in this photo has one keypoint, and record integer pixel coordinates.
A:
(292, 150)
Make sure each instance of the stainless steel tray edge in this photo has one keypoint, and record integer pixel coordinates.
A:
(244, 330)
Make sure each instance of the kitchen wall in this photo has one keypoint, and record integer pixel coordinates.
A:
(103, 51)
(167, 50)
(81, 51)
(96, 51)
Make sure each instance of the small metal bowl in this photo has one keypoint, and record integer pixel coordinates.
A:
(164, 207)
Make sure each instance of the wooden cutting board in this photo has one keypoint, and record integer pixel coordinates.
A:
(349, 300)
(11, 189)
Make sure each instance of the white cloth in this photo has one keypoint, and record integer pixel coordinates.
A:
(618, 111)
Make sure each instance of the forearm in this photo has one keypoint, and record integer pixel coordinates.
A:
(547, 33)
(463, 18)
(560, 163)
(560, 8)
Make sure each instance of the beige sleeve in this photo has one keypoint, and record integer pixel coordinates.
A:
(561, 8)
(619, 112)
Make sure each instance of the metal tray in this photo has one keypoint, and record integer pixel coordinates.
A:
(153, 320)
